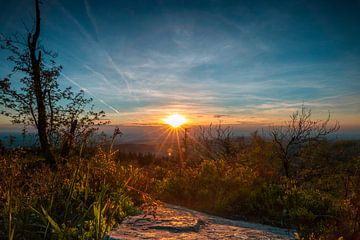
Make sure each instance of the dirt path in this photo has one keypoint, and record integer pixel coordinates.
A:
(173, 222)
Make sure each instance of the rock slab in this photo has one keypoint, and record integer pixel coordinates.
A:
(173, 222)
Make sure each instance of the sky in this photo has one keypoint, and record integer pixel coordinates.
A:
(249, 63)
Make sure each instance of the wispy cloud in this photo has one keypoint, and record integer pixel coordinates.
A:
(225, 63)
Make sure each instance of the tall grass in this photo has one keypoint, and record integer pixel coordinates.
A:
(84, 199)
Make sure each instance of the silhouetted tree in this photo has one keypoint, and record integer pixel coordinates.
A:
(36, 98)
(216, 142)
(299, 130)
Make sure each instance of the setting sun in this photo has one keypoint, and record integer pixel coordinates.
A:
(175, 120)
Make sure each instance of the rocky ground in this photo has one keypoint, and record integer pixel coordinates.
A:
(173, 222)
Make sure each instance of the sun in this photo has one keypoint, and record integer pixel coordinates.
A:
(175, 120)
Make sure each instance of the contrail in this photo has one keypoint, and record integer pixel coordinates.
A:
(89, 92)
(91, 17)
(102, 77)
(90, 39)
(116, 68)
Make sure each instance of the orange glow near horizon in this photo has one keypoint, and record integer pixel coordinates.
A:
(175, 120)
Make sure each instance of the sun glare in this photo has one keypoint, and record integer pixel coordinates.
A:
(175, 120)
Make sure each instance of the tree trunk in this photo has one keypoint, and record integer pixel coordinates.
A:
(39, 94)
(286, 167)
(68, 140)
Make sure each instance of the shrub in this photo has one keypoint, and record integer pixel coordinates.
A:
(287, 205)
(212, 186)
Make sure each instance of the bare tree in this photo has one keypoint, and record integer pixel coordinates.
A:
(216, 142)
(36, 98)
(29, 60)
(300, 129)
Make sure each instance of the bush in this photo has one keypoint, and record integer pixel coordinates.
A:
(287, 205)
(212, 186)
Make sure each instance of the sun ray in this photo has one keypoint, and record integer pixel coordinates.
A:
(169, 133)
(179, 147)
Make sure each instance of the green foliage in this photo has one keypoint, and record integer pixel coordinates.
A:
(292, 206)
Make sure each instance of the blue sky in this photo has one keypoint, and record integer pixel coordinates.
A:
(241, 62)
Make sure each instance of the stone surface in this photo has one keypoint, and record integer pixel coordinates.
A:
(173, 222)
